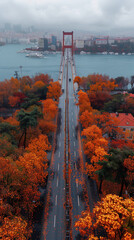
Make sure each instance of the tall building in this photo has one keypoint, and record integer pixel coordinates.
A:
(54, 40)
(43, 43)
(79, 43)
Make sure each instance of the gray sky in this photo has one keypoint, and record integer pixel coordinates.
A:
(101, 16)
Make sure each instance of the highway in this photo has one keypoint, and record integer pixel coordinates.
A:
(65, 191)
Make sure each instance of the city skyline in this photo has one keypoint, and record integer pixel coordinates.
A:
(95, 16)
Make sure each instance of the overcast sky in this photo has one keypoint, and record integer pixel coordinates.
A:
(109, 16)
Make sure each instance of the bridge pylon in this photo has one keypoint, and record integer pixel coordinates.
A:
(67, 46)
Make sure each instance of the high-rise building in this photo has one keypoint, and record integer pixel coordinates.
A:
(43, 43)
(54, 40)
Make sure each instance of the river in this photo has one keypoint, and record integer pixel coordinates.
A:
(112, 65)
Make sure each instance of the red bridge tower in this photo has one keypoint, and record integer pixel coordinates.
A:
(67, 46)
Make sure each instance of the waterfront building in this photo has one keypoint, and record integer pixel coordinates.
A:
(54, 40)
(88, 43)
(79, 43)
(43, 43)
(101, 41)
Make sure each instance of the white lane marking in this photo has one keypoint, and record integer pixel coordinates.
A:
(54, 220)
(73, 134)
(57, 182)
(75, 153)
(59, 154)
(74, 144)
(77, 183)
(58, 166)
(59, 144)
(78, 200)
(56, 200)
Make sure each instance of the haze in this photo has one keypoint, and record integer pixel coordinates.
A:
(101, 16)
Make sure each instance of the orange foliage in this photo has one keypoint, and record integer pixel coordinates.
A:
(114, 214)
(111, 213)
(78, 80)
(13, 101)
(38, 84)
(84, 103)
(43, 78)
(46, 126)
(129, 164)
(14, 85)
(34, 162)
(8, 87)
(108, 124)
(39, 146)
(54, 90)
(25, 84)
(49, 109)
(99, 98)
(93, 139)
(120, 143)
(99, 82)
(15, 228)
(12, 121)
(84, 223)
(95, 147)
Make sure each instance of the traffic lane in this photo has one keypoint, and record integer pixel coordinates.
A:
(55, 225)
(56, 215)
(76, 187)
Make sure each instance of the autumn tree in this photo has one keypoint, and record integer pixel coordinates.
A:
(83, 102)
(54, 90)
(14, 85)
(93, 138)
(99, 98)
(49, 109)
(107, 123)
(15, 228)
(78, 80)
(87, 118)
(45, 78)
(95, 147)
(13, 101)
(26, 84)
(112, 218)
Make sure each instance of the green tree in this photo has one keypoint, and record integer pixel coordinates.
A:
(113, 168)
(115, 105)
(30, 101)
(7, 130)
(28, 119)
